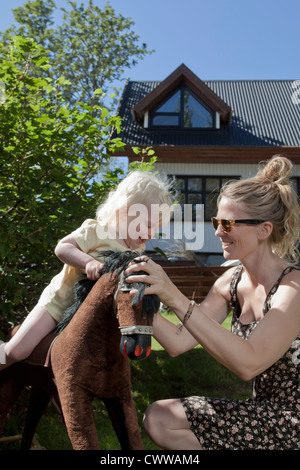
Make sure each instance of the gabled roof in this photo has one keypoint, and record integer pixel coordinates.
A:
(181, 74)
(263, 114)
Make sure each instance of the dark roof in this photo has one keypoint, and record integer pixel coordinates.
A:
(181, 75)
(263, 115)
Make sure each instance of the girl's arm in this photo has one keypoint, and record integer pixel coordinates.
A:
(68, 251)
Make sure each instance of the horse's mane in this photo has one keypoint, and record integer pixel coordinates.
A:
(115, 262)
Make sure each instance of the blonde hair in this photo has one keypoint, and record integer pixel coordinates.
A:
(269, 196)
(138, 187)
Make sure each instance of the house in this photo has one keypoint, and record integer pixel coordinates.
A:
(207, 132)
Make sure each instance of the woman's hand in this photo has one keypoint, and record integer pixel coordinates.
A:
(156, 279)
(160, 284)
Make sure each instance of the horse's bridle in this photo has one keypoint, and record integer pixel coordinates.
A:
(136, 330)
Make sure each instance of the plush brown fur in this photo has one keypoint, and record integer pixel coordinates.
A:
(86, 364)
(95, 369)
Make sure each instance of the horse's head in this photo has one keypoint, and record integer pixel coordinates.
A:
(135, 316)
(134, 313)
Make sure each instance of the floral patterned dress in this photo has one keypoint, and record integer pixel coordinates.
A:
(270, 420)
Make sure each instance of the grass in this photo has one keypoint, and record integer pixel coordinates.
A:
(157, 377)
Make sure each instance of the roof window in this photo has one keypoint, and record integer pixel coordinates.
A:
(182, 109)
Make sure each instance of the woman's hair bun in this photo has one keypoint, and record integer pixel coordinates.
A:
(277, 170)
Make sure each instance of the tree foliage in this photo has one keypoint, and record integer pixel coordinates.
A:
(55, 134)
(91, 47)
(46, 188)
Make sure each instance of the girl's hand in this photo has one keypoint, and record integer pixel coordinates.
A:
(92, 269)
(157, 280)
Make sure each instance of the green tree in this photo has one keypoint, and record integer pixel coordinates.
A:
(91, 48)
(46, 188)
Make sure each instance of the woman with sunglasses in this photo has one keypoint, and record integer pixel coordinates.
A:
(258, 223)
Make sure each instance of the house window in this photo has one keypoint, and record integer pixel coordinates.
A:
(201, 190)
(182, 109)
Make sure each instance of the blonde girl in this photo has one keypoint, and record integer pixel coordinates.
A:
(79, 252)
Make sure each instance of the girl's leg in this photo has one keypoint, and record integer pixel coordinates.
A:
(166, 424)
(35, 327)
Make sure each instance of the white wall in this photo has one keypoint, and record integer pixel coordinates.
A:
(227, 169)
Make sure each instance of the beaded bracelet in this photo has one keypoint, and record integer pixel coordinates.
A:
(187, 315)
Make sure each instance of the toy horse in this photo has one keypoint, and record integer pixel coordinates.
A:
(86, 361)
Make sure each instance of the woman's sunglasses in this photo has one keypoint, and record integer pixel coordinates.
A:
(227, 225)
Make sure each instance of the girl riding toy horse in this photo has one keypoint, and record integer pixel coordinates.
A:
(86, 362)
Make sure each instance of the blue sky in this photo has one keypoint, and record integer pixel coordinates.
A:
(216, 39)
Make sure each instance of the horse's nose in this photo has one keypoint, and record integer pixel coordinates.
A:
(136, 347)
